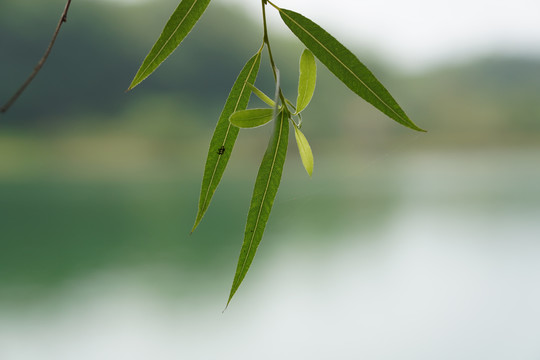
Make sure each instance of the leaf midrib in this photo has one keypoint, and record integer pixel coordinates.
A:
(345, 66)
(227, 135)
(304, 94)
(248, 120)
(170, 37)
(264, 194)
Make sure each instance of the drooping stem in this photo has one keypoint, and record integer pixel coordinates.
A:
(266, 41)
(63, 19)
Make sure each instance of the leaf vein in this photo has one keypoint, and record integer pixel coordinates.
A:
(345, 66)
(226, 136)
(264, 193)
(170, 37)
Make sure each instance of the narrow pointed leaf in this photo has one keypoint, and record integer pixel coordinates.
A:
(307, 80)
(179, 25)
(265, 190)
(251, 118)
(305, 150)
(225, 135)
(345, 66)
(265, 98)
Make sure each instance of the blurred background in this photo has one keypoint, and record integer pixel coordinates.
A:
(402, 246)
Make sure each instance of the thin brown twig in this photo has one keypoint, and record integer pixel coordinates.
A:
(41, 62)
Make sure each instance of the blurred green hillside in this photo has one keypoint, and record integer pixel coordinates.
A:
(92, 177)
(102, 46)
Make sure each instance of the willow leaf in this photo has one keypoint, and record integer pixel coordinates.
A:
(307, 80)
(179, 25)
(304, 149)
(251, 118)
(265, 190)
(345, 66)
(265, 98)
(225, 135)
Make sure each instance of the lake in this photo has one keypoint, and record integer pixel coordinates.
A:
(401, 256)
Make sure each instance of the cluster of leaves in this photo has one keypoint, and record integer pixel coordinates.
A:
(235, 115)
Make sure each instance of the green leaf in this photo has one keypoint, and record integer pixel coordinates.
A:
(307, 80)
(251, 118)
(225, 134)
(265, 98)
(345, 66)
(305, 150)
(179, 25)
(265, 190)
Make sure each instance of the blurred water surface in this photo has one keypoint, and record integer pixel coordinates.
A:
(442, 262)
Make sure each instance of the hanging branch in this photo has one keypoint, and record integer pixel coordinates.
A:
(40, 64)
(235, 115)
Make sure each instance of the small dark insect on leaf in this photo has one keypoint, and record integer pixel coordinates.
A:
(221, 150)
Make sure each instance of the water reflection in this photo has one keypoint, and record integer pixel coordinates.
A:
(450, 272)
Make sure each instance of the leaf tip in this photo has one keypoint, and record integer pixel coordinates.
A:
(197, 221)
(136, 81)
(233, 291)
(226, 306)
(415, 127)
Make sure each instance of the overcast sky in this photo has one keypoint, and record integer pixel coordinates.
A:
(419, 33)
